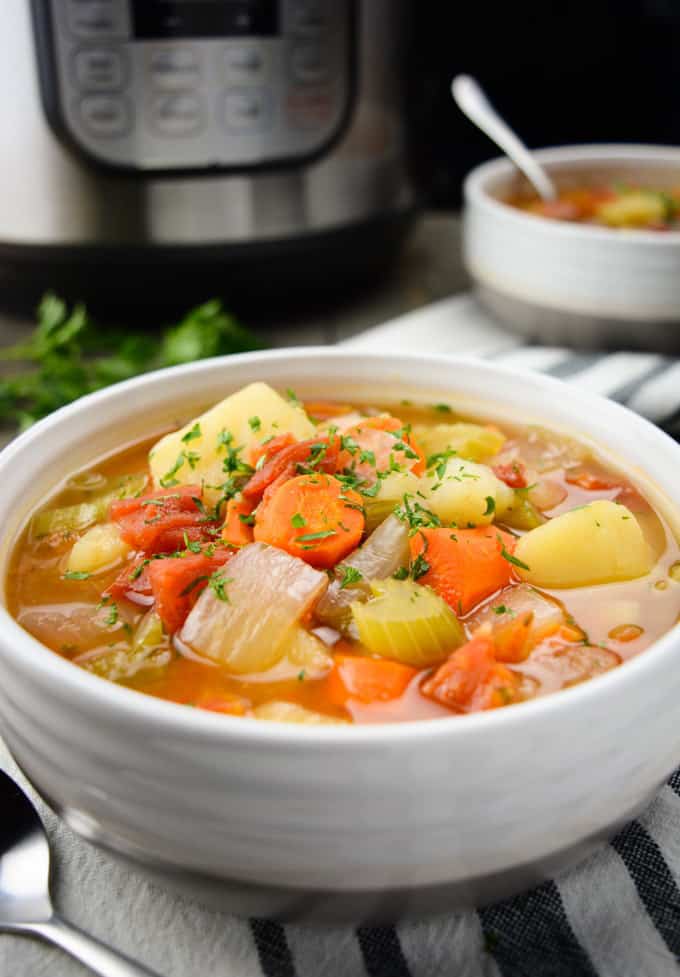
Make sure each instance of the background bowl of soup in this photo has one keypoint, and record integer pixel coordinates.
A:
(340, 822)
(581, 279)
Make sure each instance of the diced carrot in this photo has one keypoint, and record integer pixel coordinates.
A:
(311, 516)
(271, 448)
(321, 410)
(513, 473)
(176, 583)
(464, 565)
(320, 453)
(367, 679)
(156, 523)
(372, 444)
(231, 705)
(590, 481)
(512, 639)
(238, 530)
(472, 680)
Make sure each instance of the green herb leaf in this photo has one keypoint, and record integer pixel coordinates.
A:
(77, 575)
(490, 505)
(311, 537)
(194, 433)
(350, 576)
(512, 559)
(254, 423)
(298, 520)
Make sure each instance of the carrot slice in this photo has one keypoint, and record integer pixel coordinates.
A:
(371, 445)
(311, 516)
(320, 453)
(367, 679)
(590, 481)
(472, 680)
(238, 530)
(321, 410)
(464, 566)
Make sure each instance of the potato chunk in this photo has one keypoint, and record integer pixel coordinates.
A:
(470, 441)
(635, 209)
(197, 451)
(290, 712)
(99, 549)
(598, 543)
(460, 493)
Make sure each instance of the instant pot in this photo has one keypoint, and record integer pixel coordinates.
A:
(157, 147)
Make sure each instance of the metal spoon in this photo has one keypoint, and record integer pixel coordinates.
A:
(472, 101)
(25, 905)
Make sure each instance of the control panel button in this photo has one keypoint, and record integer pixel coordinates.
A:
(174, 68)
(106, 115)
(245, 63)
(99, 69)
(97, 18)
(309, 16)
(309, 61)
(177, 115)
(247, 109)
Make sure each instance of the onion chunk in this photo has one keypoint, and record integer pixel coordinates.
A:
(267, 593)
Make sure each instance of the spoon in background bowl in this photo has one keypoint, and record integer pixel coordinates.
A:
(25, 904)
(471, 100)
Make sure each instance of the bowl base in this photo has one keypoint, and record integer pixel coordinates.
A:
(350, 907)
(555, 327)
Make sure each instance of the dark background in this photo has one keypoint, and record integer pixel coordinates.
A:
(586, 71)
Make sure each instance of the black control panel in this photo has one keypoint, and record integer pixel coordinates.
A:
(156, 19)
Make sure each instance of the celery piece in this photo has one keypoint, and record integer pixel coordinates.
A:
(150, 651)
(75, 518)
(522, 513)
(407, 622)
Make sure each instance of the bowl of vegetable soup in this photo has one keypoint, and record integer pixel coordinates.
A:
(598, 266)
(317, 635)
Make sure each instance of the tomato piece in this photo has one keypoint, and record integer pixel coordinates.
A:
(156, 523)
(321, 453)
(177, 581)
(471, 680)
(591, 481)
(513, 473)
(132, 583)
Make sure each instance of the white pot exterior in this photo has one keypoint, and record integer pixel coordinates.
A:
(574, 268)
(336, 808)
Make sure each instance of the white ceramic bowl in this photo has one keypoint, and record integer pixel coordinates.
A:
(353, 822)
(562, 282)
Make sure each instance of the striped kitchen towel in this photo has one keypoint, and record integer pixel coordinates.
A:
(616, 915)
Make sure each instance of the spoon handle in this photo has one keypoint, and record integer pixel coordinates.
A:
(471, 100)
(95, 955)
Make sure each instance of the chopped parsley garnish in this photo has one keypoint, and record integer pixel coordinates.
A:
(193, 547)
(490, 505)
(139, 570)
(194, 433)
(77, 575)
(350, 576)
(112, 617)
(298, 520)
(419, 567)
(512, 559)
(247, 519)
(311, 537)
(292, 396)
(416, 515)
(400, 574)
(301, 676)
(368, 457)
(347, 443)
(442, 408)
(500, 609)
(218, 584)
(168, 480)
(193, 584)
(254, 423)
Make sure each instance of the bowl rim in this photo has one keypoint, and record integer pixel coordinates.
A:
(158, 714)
(476, 194)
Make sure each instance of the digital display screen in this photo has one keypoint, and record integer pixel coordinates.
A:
(158, 19)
